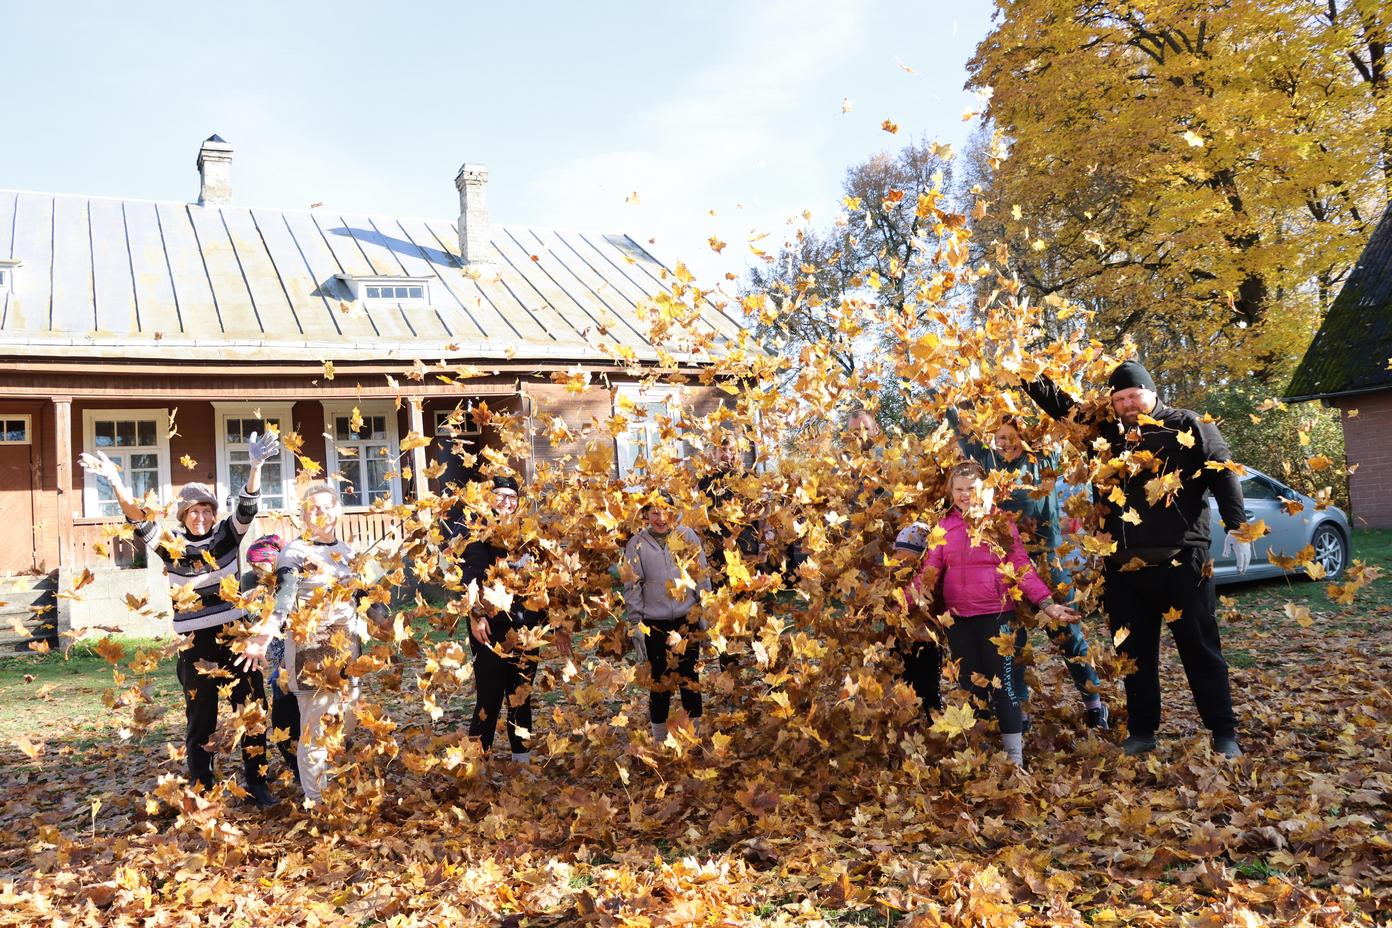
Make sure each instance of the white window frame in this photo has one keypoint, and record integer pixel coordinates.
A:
(441, 416)
(669, 395)
(91, 504)
(358, 286)
(281, 411)
(25, 417)
(8, 267)
(367, 408)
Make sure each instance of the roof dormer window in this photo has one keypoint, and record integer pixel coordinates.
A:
(7, 272)
(389, 289)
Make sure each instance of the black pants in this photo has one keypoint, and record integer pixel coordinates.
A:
(1137, 600)
(665, 677)
(923, 672)
(285, 713)
(498, 679)
(201, 705)
(970, 639)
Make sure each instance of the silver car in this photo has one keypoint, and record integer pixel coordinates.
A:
(1327, 531)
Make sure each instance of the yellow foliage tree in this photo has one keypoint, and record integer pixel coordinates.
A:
(1203, 173)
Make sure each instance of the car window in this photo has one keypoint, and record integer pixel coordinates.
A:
(1257, 488)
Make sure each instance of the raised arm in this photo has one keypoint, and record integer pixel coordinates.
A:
(104, 468)
(1056, 402)
(287, 592)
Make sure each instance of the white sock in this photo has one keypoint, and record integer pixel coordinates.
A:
(524, 758)
(1014, 748)
(659, 732)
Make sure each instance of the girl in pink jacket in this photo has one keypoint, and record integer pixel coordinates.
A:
(978, 581)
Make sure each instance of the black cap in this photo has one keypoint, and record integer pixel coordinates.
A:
(1130, 374)
(505, 482)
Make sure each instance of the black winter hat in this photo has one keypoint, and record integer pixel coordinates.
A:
(504, 482)
(1130, 374)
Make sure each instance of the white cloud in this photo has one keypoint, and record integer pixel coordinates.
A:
(730, 130)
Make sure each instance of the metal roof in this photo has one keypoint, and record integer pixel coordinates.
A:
(1352, 351)
(116, 278)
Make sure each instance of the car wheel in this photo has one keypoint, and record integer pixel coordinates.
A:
(1331, 550)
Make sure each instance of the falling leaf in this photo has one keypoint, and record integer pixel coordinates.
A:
(188, 462)
(890, 126)
(846, 105)
(1300, 614)
(328, 370)
(1194, 139)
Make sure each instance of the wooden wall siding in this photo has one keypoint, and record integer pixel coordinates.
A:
(579, 410)
(258, 386)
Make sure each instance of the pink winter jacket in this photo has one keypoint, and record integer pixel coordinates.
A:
(971, 581)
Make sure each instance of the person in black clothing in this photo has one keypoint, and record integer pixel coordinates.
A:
(727, 529)
(1152, 477)
(502, 665)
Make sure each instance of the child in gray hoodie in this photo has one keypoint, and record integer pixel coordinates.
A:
(660, 593)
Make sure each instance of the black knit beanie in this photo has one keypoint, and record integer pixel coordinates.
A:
(1130, 374)
(503, 482)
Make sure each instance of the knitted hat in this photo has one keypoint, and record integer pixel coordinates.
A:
(192, 495)
(504, 482)
(265, 550)
(1130, 374)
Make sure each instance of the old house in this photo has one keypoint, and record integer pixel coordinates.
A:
(166, 333)
(1349, 366)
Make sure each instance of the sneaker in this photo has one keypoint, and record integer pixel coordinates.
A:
(259, 795)
(1227, 746)
(1099, 718)
(1138, 744)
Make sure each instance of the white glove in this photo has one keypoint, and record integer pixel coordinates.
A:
(262, 447)
(640, 645)
(1240, 551)
(101, 465)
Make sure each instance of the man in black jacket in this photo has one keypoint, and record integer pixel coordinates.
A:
(1155, 465)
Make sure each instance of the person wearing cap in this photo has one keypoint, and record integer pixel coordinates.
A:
(660, 592)
(1157, 464)
(504, 667)
(922, 653)
(260, 579)
(198, 556)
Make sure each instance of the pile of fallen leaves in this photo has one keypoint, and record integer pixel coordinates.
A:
(817, 789)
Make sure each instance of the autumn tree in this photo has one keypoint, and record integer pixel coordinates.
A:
(1203, 174)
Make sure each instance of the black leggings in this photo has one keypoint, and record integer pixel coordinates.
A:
(970, 639)
(499, 678)
(664, 680)
(923, 672)
(201, 705)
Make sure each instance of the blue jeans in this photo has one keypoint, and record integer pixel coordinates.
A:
(1070, 642)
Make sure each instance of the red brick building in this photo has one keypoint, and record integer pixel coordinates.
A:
(165, 333)
(1349, 365)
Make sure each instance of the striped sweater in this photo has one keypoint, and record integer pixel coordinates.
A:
(203, 575)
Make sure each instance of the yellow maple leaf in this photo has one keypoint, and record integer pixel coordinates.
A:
(1300, 614)
(1172, 614)
(1185, 438)
(954, 720)
(1251, 531)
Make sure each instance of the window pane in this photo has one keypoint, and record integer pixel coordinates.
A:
(401, 293)
(15, 430)
(125, 433)
(341, 432)
(144, 461)
(350, 495)
(377, 426)
(143, 481)
(146, 433)
(373, 293)
(237, 474)
(234, 431)
(105, 434)
(377, 483)
(417, 293)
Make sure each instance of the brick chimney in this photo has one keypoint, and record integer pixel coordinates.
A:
(471, 180)
(215, 173)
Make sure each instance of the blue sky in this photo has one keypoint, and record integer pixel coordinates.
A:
(731, 107)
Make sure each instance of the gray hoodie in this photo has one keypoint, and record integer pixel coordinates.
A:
(647, 595)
